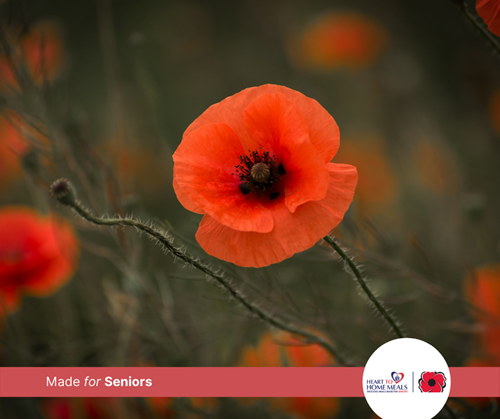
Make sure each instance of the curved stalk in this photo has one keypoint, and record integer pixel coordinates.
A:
(366, 289)
(65, 193)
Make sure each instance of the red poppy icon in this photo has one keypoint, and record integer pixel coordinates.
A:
(432, 382)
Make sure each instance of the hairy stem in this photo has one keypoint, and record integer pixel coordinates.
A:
(364, 286)
(167, 242)
(482, 30)
(378, 305)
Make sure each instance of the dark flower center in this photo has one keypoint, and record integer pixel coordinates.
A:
(432, 382)
(259, 172)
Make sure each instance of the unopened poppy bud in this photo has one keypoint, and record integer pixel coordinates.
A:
(63, 191)
(260, 172)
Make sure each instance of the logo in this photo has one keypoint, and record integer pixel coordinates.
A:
(386, 385)
(397, 376)
(399, 373)
(432, 382)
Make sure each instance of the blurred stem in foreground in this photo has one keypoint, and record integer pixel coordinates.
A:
(65, 193)
(364, 286)
(462, 5)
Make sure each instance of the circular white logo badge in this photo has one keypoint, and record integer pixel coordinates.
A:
(406, 378)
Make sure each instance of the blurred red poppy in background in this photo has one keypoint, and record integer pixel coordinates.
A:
(39, 49)
(257, 165)
(12, 145)
(489, 11)
(17, 138)
(38, 254)
(282, 349)
(81, 408)
(340, 39)
(483, 290)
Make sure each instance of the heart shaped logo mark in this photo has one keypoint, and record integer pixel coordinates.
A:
(397, 376)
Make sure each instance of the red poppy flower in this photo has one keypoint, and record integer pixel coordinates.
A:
(432, 382)
(37, 254)
(17, 138)
(40, 50)
(12, 145)
(340, 39)
(282, 349)
(489, 11)
(257, 165)
(483, 290)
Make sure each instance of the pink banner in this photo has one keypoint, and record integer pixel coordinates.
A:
(215, 382)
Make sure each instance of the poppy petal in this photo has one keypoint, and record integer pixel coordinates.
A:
(9, 299)
(489, 10)
(427, 376)
(426, 388)
(204, 169)
(37, 254)
(437, 388)
(292, 233)
(60, 252)
(276, 125)
(323, 130)
(439, 379)
(185, 200)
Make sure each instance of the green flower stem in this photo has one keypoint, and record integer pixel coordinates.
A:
(167, 242)
(482, 30)
(378, 305)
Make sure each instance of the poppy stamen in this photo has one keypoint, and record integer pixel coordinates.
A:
(259, 172)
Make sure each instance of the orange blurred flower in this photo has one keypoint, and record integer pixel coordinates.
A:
(489, 11)
(483, 290)
(16, 139)
(282, 349)
(340, 39)
(257, 165)
(39, 50)
(12, 145)
(377, 187)
(38, 254)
